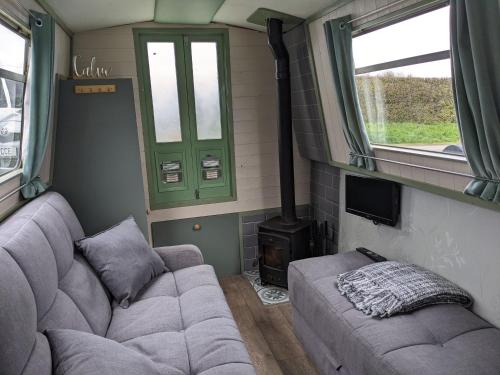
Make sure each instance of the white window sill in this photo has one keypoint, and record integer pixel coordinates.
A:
(424, 153)
(10, 175)
(443, 170)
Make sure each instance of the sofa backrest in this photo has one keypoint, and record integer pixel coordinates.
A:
(44, 284)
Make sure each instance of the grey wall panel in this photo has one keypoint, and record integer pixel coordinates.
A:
(306, 111)
(97, 164)
(218, 239)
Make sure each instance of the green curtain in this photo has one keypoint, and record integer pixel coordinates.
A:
(475, 50)
(40, 94)
(339, 40)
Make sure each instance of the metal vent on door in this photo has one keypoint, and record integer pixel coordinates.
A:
(211, 168)
(171, 172)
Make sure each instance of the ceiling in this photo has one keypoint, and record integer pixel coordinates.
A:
(79, 15)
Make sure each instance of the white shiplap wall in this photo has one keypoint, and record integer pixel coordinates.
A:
(254, 116)
(333, 120)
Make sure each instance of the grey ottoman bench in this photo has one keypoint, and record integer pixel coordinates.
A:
(436, 340)
(180, 320)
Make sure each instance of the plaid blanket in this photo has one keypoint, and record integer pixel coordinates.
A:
(387, 288)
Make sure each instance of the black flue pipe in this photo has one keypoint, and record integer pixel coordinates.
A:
(285, 138)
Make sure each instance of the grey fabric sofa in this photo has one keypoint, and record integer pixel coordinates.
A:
(436, 340)
(181, 319)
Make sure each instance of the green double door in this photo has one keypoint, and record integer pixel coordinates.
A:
(185, 102)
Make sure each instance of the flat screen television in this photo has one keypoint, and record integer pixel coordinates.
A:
(375, 199)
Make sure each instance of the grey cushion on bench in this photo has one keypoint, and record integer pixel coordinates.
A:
(436, 340)
(123, 259)
(45, 285)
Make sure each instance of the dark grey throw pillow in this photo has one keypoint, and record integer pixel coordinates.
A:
(123, 260)
(81, 353)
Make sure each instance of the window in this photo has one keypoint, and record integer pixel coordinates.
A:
(184, 80)
(12, 83)
(403, 78)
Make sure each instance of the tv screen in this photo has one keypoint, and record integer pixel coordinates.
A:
(375, 199)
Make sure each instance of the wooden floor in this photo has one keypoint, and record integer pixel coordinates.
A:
(267, 331)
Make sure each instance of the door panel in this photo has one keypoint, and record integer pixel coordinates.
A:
(208, 142)
(186, 115)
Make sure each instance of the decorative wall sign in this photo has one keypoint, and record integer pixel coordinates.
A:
(89, 71)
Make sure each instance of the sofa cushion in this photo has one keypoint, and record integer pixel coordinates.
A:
(399, 345)
(42, 287)
(123, 259)
(165, 348)
(185, 310)
(161, 286)
(80, 353)
(146, 317)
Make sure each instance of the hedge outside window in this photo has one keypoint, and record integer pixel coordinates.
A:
(186, 114)
(403, 78)
(12, 83)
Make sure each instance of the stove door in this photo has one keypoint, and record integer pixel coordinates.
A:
(274, 250)
(274, 256)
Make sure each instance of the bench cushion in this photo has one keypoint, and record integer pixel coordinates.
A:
(437, 340)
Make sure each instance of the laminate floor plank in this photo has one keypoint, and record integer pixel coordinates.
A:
(266, 330)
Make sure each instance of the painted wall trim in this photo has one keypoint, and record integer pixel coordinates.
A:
(52, 12)
(316, 89)
(268, 210)
(324, 12)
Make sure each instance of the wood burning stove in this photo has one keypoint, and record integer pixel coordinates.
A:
(280, 244)
(284, 238)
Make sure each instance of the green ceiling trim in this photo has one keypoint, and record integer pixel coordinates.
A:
(195, 12)
(260, 16)
(47, 8)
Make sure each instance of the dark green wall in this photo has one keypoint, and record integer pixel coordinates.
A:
(218, 239)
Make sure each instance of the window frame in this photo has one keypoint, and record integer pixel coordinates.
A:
(23, 78)
(188, 122)
(390, 19)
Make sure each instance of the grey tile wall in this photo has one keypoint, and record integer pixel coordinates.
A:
(249, 233)
(325, 183)
(306, 112)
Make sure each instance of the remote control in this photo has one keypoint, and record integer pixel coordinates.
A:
(372, 255)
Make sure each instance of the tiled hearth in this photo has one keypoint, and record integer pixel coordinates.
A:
(268, 294)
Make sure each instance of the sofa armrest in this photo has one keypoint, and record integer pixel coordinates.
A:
(180, 256)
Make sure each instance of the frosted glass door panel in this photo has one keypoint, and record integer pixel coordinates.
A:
(206, 90)
(164, 95)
